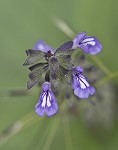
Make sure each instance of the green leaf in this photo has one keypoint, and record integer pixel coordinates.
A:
(65, 47)
(68, 78)
(33, 56)
(65, 61)
(65, 75)
(39, 65)
(54, 72)
(36, 72)
(31, 82)
(55, 83)
(54, 67)
(35, 75)
(33, 53)
(63, 71)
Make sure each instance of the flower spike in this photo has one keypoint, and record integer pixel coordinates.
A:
(56, 66)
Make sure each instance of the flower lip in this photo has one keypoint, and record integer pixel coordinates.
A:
(90, 45)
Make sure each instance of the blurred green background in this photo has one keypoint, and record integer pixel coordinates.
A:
(22, 23)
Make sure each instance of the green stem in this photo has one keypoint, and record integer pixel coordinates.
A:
(26, 121)
(53, 129)
(107, 78)
(68, 140)
(100, 64)
(52, 133)
(63, 27)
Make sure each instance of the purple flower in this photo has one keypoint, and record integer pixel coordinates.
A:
(41, 45)
(47, 101)
(89, 44)
(81, 87)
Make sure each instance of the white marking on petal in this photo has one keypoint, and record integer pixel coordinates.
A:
(44, 99)
(82, 85)
(48, 100)
(89, 41)
(83, 82)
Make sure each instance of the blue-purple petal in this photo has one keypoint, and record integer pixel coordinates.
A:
(46, 86)
(39, 110)
(80, 84)
(41, 45)
(84, 93)
(91, 90)
(90, 45)
(78, 38)
(46, 102)
(81, 93)
(75, 82)
(78, 69)
(53, 108)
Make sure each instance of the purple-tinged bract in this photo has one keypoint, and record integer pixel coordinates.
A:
(89, 44)
(81, 87)
(47, 101)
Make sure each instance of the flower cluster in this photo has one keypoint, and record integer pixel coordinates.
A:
(57, 66)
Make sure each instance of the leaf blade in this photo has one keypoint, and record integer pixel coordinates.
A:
(65, 47)
(33, 56)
